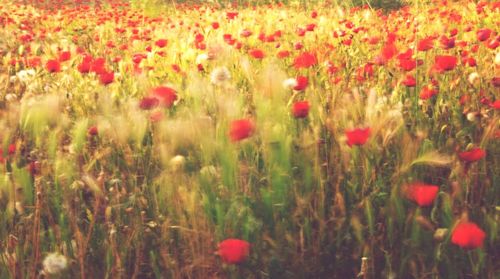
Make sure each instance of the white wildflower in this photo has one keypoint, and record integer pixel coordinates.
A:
(497, 59)
(177, 162)
(473, 77)
(54, 263)
(220, 75)
(471, 116)
(289, 83)
(201, 58)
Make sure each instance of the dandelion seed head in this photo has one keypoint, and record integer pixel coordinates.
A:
(54, 263)
(220, 75)
(289, 83)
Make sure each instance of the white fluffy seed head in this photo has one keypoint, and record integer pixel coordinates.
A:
(220, 75)
(289, 83)
(54, 263)
(473, 77)
(201, 58)
(471, 116)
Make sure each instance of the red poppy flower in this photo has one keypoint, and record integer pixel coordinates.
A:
(161, 43)
(493, 43)
(468, 235)
(471, 62)
(166, 95)
(106, 77)
(410, 81)
(407, 64)
(34, 62)
(231, 15)
(215, 25)
(246, 33)
(444, 63)
(357, 136)
(283, 54)
(241, 129)
(98, 65)
(447, 43)
(425, 44)
(34, 168)
(302, 83)
(472, 155)
(301, 109)
(310, 27)
(305, 60)
(422, 194)
(233, 251)
(175, 68)
(483, 34)
(92, 131)
(301, 32)
(198, 38)
(53, 66)
(428, 92)
(495, 81)
(148, 103)
(64, 56)
(256, 53)
(389, 51)
(495, 104)
(86, 65)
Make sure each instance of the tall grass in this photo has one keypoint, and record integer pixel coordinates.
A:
(146, 199)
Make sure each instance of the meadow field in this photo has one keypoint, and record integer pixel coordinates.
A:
(249, 140)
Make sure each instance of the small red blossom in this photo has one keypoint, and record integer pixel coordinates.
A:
(283, 54)
(98, 65)
(64, 56)
(241, 129)
(495, 81)
(148, 103)
(166, 95)
(407, 64)
(447, 43)
(389, 51)
(234, 251)
(92, 131)
(495, 104)
(425, 44)
(11, 150)
(106, 77)
(357, 136)
(256, 53)
(246, 33)
(428, 92)
(468, 235)
(305, 60)
(301, 109)
(483, 34)
(302, 83)
(53, 66)
(443, 63)
(422, 194)
(34, 168)
(231, 15)
(410, 81)
(161, 43)
(472, 155)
